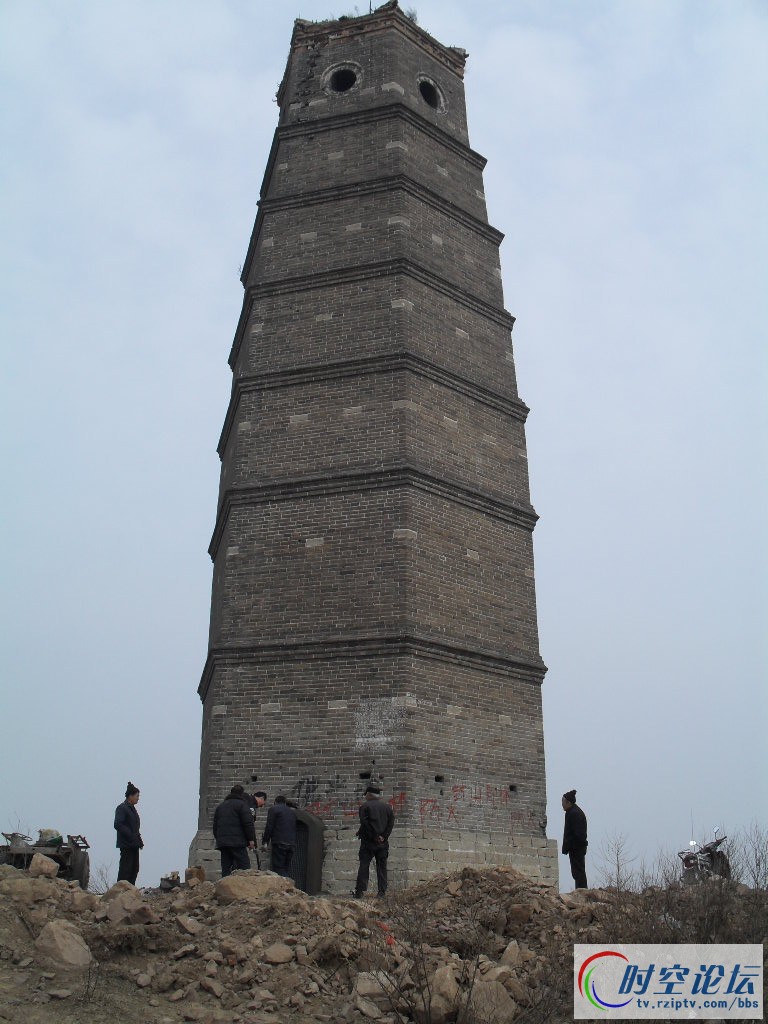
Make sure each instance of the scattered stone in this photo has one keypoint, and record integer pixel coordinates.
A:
(183, 951)
(213, 986)
(338, 962)
(368, 1008)
(189, 924)
(59, 993)
(164, 981)
(194, 1012)
(278, 953)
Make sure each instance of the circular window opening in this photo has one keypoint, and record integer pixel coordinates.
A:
(430, 94)
(342, 79)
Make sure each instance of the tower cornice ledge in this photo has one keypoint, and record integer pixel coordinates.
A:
(375, 186)
(365, 272)
(394, 109)
(371, 646)
(395, 362)
(522, 516)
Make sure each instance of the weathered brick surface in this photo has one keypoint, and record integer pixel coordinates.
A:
(373, 611)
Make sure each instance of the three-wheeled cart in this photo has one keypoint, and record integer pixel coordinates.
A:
(71, 856)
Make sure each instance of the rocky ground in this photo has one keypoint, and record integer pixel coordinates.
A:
(487, 946)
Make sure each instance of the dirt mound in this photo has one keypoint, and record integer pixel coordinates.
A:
(488, 944)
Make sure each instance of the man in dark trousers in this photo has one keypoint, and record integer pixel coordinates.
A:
(129, 841)
(233, 831)
(575, 838)
(376, 822)
(280, 832)
(255, 802)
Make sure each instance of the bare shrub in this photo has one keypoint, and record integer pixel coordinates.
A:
(748, 854)
(614, 864)
(101, 879)
(405, 951)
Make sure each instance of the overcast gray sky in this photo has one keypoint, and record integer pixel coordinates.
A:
(627, 165)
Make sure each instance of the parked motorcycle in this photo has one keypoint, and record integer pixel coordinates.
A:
(703, 862)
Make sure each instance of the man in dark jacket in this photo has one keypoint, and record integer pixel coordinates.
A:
(377, 820)
(233, 831)
(129, 841)
(280, 832)
(575, 838)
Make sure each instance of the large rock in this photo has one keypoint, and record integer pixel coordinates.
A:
(519, 913)
(80, 901)
(250, 885)
(444, 1005)
(368, 1008)
(375, 988)
(26, 889)
(128, 907)
(118, 889)
(491, 1003)
(61, 941)
(444, 984)
(511, 955)
(43, 867)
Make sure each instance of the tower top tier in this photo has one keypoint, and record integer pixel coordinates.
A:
(354, 65)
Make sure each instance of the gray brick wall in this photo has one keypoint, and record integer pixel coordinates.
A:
(373, 612)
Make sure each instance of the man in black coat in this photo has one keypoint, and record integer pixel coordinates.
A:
(377, 820)
(233, 831)
(280, 832)
(129, 841)
(575, 838)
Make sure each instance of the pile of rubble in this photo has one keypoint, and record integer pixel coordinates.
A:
(487, 946)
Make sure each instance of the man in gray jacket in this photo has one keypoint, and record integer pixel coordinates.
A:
(377, 820)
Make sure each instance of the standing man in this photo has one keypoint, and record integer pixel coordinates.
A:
(233, 831)
(575, 838)
(129, 841)
(377, 820)
(280, 831)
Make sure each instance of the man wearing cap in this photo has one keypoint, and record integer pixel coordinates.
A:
(234, 832)
(376, 822)
(575, 838)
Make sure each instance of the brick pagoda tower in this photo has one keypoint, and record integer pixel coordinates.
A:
(373, 612)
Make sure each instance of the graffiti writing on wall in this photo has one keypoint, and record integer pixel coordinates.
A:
(463, 805)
